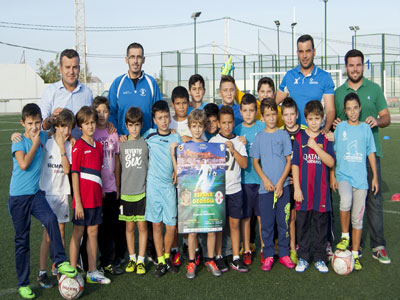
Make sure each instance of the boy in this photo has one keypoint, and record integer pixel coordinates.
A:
(271, 160)
(211, 110)
(87, 161)
(289, 116)
(27, 199)
(250, 180)
(196, 91)
(227, 91)
(236, 160)
(180, 103)
(313, 155)
(161, 206)
(354, 142)
(134, 156)
(110, 230)
(54, 182)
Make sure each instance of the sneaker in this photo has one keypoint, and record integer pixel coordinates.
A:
(212, 267)
(26, 292)
(191, 270)
(66, 269)
(153, 259)
(238, 265)
(267, 265)
(247, 258)
(54, 270)
(359, 251)
(113, 269)
(381, 256)
(170, 266)
(262, 258)
(293, 256)
(252, 247)
(329, 252)
(221, 265)
(357, 264)
(97, 277)
(286, 261)
(197, 257)
(44, 281)
(321, 266)
(140, 269)
(175, 257)
(302, 266)
(343, 244)
(161, 270)
(131, 267)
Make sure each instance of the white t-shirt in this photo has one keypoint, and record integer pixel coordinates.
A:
(233, 177)
(52, 179)
(182, 128)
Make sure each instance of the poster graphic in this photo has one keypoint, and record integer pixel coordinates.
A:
(201, 187)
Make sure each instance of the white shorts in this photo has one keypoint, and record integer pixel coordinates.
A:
(59, 204)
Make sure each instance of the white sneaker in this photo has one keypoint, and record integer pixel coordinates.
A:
(97, 277)
(321, 266)
(302, 265)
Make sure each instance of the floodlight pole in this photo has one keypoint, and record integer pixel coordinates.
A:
(326, 33)
(195, 15)
(293, 25)
(277, 23)
(355, 29)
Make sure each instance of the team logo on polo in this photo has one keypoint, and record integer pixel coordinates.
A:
(142, 92)
(312, 81)
(296, 80)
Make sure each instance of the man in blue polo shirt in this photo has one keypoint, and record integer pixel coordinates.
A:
(134, 88)
(308, 82)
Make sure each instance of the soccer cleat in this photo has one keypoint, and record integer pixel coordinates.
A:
(97, 277)
(140, 269)
(329, 252)
(359, 251)
(220, 262)
(54, 270)
(161, 270)
(343, 244)
(175, 258)
(170, 266)
(321, 266)
(302, 266)
(381, 256)
(247, 258)
(131, 267)
(212, 267)
(113, 269)
(191, 270)
(238, 265)
(286, 261)
(267, 265)
(197, 257)
(44, 281)
(262, 258)
(293, 257)
(26, 292)
(357, 264)
(66, 269)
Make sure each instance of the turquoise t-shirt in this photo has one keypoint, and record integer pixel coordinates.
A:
(352, 145)
(26, 182)
(249, 175)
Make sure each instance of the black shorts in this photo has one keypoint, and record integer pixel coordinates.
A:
(250, 200)
(132, 211)
(92, 216)
(234, 205)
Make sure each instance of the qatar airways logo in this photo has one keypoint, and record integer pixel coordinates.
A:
(312, 158)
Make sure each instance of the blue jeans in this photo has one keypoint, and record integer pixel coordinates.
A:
(21, 208)
(374, 209)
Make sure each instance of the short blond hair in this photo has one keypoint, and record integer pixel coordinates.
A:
(197, 116)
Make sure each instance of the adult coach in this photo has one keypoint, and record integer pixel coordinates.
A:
(66, 93)
(374, 112)
(135, 88)
(308, 82)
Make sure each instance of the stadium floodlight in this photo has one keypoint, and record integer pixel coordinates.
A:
(195, 15)
(355, 29)
(293, 25)
(277, 23)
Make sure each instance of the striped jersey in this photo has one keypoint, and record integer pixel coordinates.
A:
(87, 161)
(314, 174)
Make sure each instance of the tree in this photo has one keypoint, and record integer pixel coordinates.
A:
(49, 72)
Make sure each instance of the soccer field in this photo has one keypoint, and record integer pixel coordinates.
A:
(375, 281)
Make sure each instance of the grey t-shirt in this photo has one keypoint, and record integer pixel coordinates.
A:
(134, 157)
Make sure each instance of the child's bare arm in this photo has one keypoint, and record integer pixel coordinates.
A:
(332, 180)
(79, 214)
(117, 174)
(298, 194)
(60, 140)
(266, 181)
(326, 158)
(240, 159)
(281, 181)
(374, 183)
(174, 164)
(24, 160)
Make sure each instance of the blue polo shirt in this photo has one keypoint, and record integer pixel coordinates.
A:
(306, 88)
(200, 107)
(123, 95)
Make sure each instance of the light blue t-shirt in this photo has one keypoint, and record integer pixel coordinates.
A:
(249, 175)
(26, 182)
(200, 107)
(160, 161)
(352, 145)
(271, 149)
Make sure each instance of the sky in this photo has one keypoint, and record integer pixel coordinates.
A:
(370, 15)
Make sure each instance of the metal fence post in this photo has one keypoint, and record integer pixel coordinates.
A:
(383, 63)
(244, 72)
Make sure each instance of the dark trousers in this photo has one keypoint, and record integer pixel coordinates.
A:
(253, 224)
(21, 208)
(305, 220)
(269, 215)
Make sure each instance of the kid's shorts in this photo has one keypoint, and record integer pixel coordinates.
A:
(59, 204)
(234, 205)
(132, 211)
(250, 200)
(92, 216)
(161, 204)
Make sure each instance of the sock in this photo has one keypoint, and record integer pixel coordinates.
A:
(185, 241)
(140, 259)
(235, 257)
(346, 235)
(218, 256)
(166, 255)
(355, 253)
(132, 257)
(174, 249)
(41, 272)
(161, 260)
(197, 249)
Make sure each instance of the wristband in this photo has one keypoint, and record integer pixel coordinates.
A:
(64, 154)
